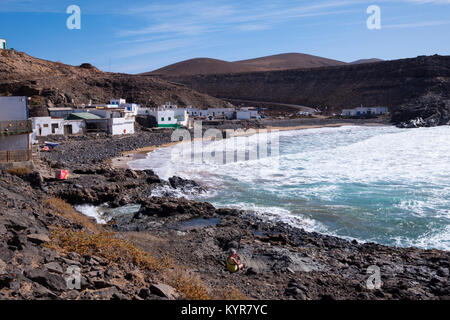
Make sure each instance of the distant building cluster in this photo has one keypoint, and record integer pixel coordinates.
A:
(364, 111)
(18, 132)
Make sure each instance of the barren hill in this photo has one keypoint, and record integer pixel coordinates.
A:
(271, 63)
(54, 83)
(201, 66)
(289, 61)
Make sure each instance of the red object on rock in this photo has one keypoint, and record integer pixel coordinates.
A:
(63, 174)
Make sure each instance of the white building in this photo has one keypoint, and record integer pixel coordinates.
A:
(247, 114)
(167, 115)
(144, 111)
(3, 44)
(360, 111)
(15, 129)
(194, 112)
(45, 126)
(212, 113)
(165, 118)
(182, 117)
(132, 108)
(117, 102)
(112, 121)
(120, 126)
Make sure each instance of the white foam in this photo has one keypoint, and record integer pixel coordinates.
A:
(91, 211)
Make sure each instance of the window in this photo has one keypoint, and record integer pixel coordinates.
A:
(169, 119)
(162, 118)
(46, 125)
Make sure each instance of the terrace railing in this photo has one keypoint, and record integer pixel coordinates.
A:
(14, 127)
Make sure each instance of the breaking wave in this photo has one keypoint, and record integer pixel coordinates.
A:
(380, 184)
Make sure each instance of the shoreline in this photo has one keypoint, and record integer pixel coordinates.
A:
(122, 162)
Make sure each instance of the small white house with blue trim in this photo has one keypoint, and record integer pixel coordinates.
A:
(364, 111)
(3, 44)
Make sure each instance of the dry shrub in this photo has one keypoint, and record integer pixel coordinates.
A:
(65, 210)
(20, 172)
(231, 293)
(107, 246)
(190, 287)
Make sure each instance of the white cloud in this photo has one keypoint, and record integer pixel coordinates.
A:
(196, 18)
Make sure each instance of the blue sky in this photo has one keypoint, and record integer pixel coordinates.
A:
(142, 35)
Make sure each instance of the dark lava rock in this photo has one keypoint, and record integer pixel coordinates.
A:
(165, 207)
(428, 111)
(47, 279)
(189, 186)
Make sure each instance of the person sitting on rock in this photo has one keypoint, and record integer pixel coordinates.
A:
(234, 262)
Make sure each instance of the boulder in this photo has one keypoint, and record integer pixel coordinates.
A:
(38, 238)
(45, 278)
(164, 290)
(54, 267)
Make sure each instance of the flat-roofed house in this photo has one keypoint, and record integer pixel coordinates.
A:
(15, 130)
(364, 111)
(45, 126)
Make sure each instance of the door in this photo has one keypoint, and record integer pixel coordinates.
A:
(67, 130)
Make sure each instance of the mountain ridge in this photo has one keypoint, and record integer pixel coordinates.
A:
(284, 61)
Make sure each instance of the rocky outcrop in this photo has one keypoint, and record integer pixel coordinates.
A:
(32, 270)
(164, 207)
(186, 186)
(428, 111)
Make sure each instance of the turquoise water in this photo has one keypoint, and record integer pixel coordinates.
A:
(379, 184)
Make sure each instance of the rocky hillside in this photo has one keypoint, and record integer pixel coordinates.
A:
(284, 61)
(53, 83)
(390, 83)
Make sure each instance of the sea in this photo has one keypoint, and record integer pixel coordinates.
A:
(369, 183)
